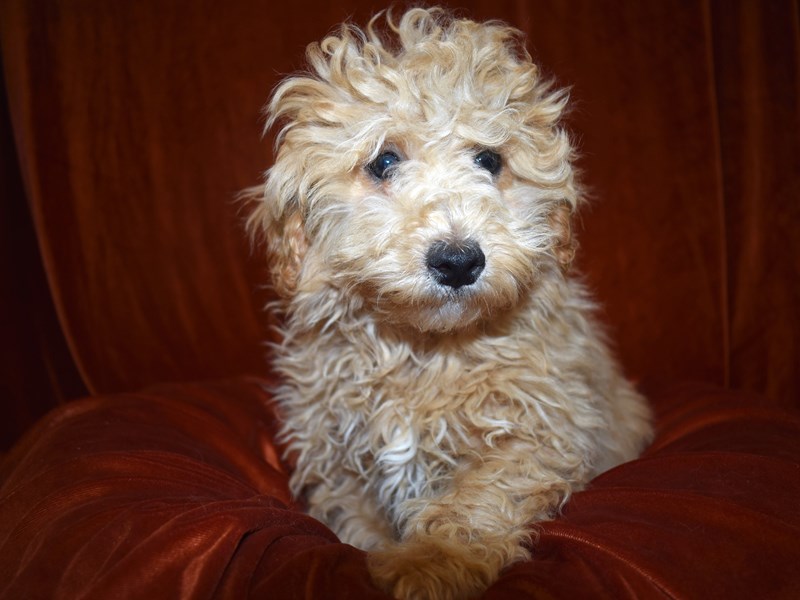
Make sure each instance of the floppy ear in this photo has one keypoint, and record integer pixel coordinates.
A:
(279, 224)
(565, 245)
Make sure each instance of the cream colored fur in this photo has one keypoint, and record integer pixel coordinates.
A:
(433, 425)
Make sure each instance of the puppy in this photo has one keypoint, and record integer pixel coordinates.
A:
(446, 385)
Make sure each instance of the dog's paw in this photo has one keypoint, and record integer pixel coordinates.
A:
(434, 569)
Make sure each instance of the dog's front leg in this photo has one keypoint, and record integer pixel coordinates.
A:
(350, 512)
(455, 545)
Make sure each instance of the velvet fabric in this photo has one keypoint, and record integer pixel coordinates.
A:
(126, 131)
(178, 492)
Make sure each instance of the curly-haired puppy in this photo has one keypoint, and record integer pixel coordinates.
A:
(445, 381)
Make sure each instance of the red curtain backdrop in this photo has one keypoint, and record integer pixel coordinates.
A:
(128, 128)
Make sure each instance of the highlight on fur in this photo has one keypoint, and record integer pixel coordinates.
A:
(445, 384)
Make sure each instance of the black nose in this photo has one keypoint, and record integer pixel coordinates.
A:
(456, 264)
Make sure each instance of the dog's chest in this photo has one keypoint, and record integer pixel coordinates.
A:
(422, 419)
(403, 418)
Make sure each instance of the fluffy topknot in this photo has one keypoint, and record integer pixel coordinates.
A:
(367, 82)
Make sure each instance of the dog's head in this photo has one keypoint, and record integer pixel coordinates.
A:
(420, 170)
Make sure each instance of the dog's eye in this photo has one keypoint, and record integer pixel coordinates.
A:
(381, 167)
(489, 160)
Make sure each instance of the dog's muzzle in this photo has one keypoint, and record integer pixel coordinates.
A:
(455, 264)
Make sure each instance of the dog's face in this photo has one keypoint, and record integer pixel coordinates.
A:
(425, 177)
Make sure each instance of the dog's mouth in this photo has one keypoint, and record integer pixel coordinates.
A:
(449, 284)
(455, 292)
(454, 311)
(459, 311)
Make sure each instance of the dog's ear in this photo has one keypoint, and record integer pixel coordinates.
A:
(565, 245)
(279, 226)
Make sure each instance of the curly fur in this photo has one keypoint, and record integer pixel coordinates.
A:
(429, 425)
